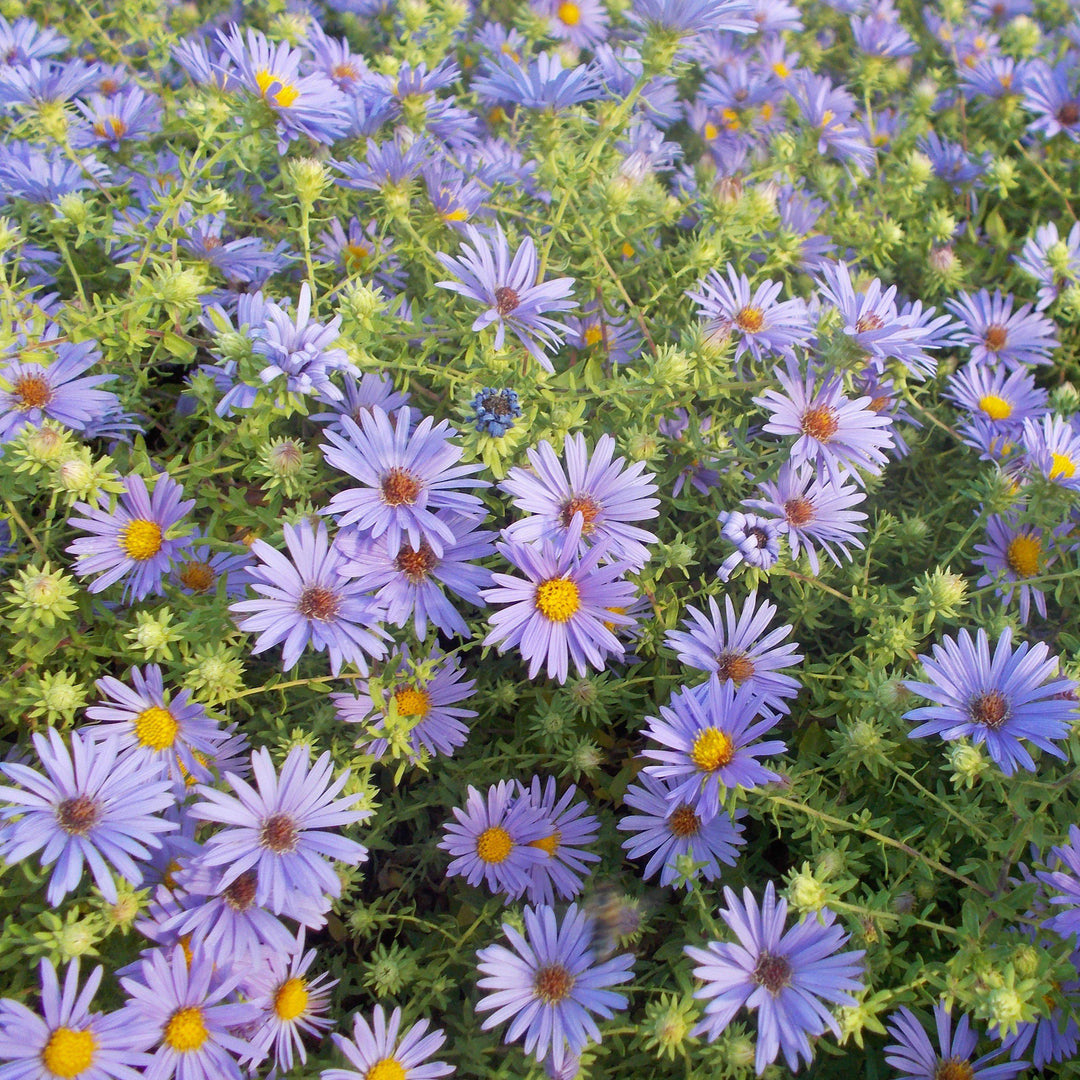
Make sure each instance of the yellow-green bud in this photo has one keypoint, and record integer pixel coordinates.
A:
(308, 178)
(967, 763)
(285, 458)
(805, 893)
(740, 1051)
(1026, 961)
(178, 287)
(73, 209)
(75, 475)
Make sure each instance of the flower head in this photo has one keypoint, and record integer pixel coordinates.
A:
(495, 411)
(1014, 553)
(378, 1052)
(996, 333)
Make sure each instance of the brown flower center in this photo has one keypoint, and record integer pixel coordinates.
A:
(820, 423)
(33, 392)
(750, 319)
(1068, 114)
(318, 602)
(990, 709)
(799, 511)
(868, 322)
(772, 972)
(196, 576)
(279, 833)
(240, 894)
(400, 488)
(996, 336)
(736, 666)
(506, 299)
(553, 984)
(78, 815)
(416, 565)
(953, 1069)
(588, 507)
(683, 822)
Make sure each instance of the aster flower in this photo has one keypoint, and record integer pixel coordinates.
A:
(406, 473)
(996, 700)
(200, 569)
(131, 542)
(91, 804)
(607, 494)
(708, 736)
(687, 17)
(583, 23)
(304, 600)
(1054, 263)
(24, 40)
(914, 1055)
(455, 197)
(832, 432)
(361, 396)
(364, 251)
(759, 322)
(425, 695)
(408, 583)
(32, 391)
(493, 840)
(510, 289)
(496, 410)
(68, 1040)
(286, 831)
(739, 650)
(756, 540)
(125, 117)
(827, 109)
(999, 400)
(666, 830)
(1052, 94)
(378, 1046)
(180, 1008)
(387, 165)
(1012, 555)
(563, 609)
(813, 511)
(611, 339)
(550, 983)
(1053, 448)
(787, 976)
(995, 332)
(1064, 883)
(542, 83)
(45, 176)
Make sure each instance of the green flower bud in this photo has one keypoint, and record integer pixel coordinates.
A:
(41, 597)
(966, 761)
(308, 178)
(73, 209)
(805, 892)
(58, 696)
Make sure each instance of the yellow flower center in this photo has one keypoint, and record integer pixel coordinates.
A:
(750, 319)
(569, 13)
(995, 407)
(1022, 555)
(286, 92)
(32, 392)
(1063, 466)
(627, 249)
(712, 750)
(356, 256)
(548, 844)
(110, 127)
(141, 539)
(558, 599)
(593, 334)
(711, 131)
(731, 119)
(156, 727)
(68, 1052)
(386, 1069)
(953, 1069)
(185, 1030)
(781, 70)
(494, 845)
(412, 702)
(291, 999)
(455, 215)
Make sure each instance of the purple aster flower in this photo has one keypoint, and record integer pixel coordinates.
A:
(91, 804)
(999, 400)
(541, 83)
(1064, 881)
(364, 251)
(667, 830)
(509, 288)
(496, 410)
(406, 473)
(1052, 262)
(759, 322)
(131, 542)
(286, 831)
(68, 1040)
(408, 582)
(952, 163)
(550, 983)
(1053, 447)
(688, 17)
(739, 650)
(377, 1046)
(425, 694)
(1051, 93)
(387, 165)
(127, 116)
(698, 472)
(455, 197)
(813, 511)
(994, 78)
(832, 432)
(606, 494)
(304, 600)
(200, 569)
(33, 390)
(493, 840)
(242, 261)
(996, 700)
(174, 733)
(787, 976)
(24, 40)
(756, 540)
(996, 333)
(584, 23)
(181, 1009)
(827, 109)
(290, 1004)
(565, 608)
(880, 33)
(373, 388)
(45, 176)
(613, 340)
(1012, 555)
(569, 827)
(709, 733)
(913, 1053)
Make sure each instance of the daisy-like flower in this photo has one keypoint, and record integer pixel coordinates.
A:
(914, 1055)
(812, 512)
(379, 1054)
(996, 333)
(428, 704)
(832, 432)
(1053, 95)
(1013, 554)
(667, 830)
(540, 83)
(690, 17)
(361, 396)
(290, 1004)
(508, 286)
(788, 977)
(756, 540)
(565, 608)
(287, 830)
(1064, 881)
(1053, 448)
(612, 338)
(200, 568)
(173, 731)
(759, 322)
(739, 650)
(569, 828)
(997, 399)
(92, 804)
(584, 23)
(67, 1041)
(606, 494)
(132, 114)
(1053, 262)
(550, 983)
(132, 541)
(305, 601)
(406, 474)
(709, 733)
(181, 1009)
(493, 840)
(996, 700)
(32, 391)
